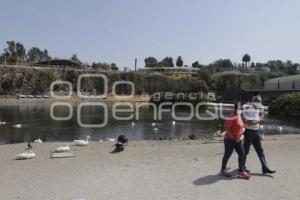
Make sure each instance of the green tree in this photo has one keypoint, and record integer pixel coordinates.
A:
(100, 65)
(205, 75)
(75, 58)
(114, 67)
(179, 61)
(277, 65)
(222, 64)
(11, 49)
(151, 62)
(20, 51)
(15, 51)
(36, 55)
(166, 62)
(46, 55)
(196, 64)
(246, 58)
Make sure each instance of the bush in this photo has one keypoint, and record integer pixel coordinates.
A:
(43, 82)
(287, 105)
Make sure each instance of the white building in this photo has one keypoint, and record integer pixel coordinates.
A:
(175, 72)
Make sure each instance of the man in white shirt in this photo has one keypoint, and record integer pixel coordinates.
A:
(252, 120)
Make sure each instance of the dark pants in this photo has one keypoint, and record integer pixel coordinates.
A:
(229, 145)
(252, 137)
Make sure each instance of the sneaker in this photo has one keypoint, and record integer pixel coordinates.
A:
(247, 170)
(269, 171)
(224, 173)
(244, 175)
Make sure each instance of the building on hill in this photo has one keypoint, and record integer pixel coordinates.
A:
(174, 72)
(283, 83)
(275, 87)
(60, 63)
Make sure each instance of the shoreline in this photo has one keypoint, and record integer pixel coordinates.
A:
(204, 140)
(135, 98)
(148, 170)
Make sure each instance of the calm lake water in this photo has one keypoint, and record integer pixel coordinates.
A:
(34, 115)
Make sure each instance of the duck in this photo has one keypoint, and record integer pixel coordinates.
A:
(18, 126)
(192, 137)
(29, 145)
(25, 155)
(132, 124)
(153, 124)
(155, 129)
(62, 148)
(38, 141)
(2, 123)
(173, 123)
(82, 142)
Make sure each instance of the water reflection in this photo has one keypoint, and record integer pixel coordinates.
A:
(37, 123)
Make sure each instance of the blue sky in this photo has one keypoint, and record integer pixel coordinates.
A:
(121, 30)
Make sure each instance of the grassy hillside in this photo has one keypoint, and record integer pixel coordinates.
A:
(37, 80)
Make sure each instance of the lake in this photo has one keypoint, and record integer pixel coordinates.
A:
(35, 117)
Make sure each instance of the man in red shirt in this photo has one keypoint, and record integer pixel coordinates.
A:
(234, 126)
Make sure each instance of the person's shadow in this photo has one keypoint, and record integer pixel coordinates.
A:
(210, 179)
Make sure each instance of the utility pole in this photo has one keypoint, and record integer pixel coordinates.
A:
(135, 64)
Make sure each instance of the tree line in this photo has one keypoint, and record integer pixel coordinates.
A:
(16, 54)
(287, 67)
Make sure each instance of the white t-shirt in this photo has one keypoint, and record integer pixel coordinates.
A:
(252, 113)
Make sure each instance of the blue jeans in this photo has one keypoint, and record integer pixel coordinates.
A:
(252, 137)
(229, 145)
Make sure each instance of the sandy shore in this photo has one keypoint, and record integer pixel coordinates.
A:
(148, 170)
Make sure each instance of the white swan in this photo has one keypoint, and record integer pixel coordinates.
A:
(219, 134)
(153, 124)
(155, 129)
(2, 123)
(38, 141)
(18, 126)
(26, 155)
(110, 139)
(279, 129)
(82, 142)
(62, 148)
(261, 127)
(173, 123)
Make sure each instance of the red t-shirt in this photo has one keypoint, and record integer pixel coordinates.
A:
(236, 126)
